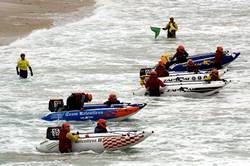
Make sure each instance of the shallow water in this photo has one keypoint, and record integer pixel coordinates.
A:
(103, 53)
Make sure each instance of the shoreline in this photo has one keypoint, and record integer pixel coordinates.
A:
(20, 17)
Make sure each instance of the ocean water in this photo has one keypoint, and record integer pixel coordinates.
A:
(102, 53)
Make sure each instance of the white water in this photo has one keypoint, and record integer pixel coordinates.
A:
(103, 53)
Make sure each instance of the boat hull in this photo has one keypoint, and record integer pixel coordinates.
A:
(188, 89)
(122, 105)
(98, 142)
(115, 114)
(206, 63)
(185, 76)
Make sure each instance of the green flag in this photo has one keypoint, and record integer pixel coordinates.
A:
(156, 30)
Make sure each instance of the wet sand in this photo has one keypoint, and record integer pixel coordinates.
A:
(20, 17)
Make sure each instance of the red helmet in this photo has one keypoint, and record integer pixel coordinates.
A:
(180, 48)
(102, 123)
(190, 61)
(153, 73)
(219, 49)
(215, 72)
(161, 63)
(65, 125)
(112, 96)
(87, 97)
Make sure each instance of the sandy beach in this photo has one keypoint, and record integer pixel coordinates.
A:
(20, 17)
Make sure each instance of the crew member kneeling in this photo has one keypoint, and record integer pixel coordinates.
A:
(66, 138)
(101, 126)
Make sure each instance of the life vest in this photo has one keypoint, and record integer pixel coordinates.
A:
(181, 56)
(65, 144)
(218, 57)
(165, 57)
(23, 64)
(172, 27)
(78, 97)
(75, 101)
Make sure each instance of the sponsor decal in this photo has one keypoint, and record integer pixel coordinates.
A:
(71, 114)
(87, 117)
(84, 113)
(89, 140)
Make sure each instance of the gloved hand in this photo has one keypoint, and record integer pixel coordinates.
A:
(164, 28)
(17, 72)
(31, 73)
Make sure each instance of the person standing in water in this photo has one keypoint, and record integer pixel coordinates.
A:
(153, 84)
(66, 138)
(22, 67)
(218, 57)
(171, 27)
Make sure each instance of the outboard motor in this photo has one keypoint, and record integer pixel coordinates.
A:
(55, 104)
(145, 71)
(53, 133)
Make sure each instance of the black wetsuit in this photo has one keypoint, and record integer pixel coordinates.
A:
(99, 129)
(109, 103)
(23, 73)
(180, 57)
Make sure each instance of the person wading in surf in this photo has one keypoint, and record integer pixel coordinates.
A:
(171, 27)
(22, 66)
(66, 138)
(218, 57)
(153, 84)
